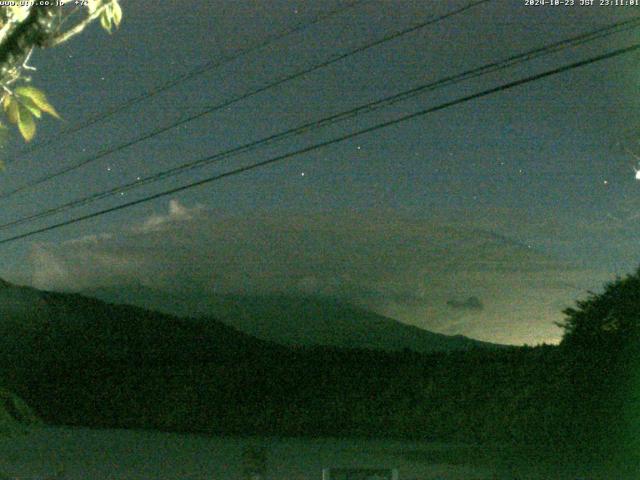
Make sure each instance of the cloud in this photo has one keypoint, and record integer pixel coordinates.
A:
(410, 269)
(471, 304)
(177, 213)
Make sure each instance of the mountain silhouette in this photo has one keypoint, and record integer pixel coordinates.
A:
(293, 320)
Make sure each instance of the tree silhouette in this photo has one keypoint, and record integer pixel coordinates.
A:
(607, 321)
(602, 347)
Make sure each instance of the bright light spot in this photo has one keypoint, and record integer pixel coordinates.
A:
(607, 183)
(637, 174)
(359, 147)
(302, 174)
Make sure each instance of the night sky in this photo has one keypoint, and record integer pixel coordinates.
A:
(524, 199)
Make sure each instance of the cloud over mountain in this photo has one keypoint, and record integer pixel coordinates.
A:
(405, 268)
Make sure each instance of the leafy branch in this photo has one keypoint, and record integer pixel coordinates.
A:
(109, 12)
(23, 106)
(23, 28)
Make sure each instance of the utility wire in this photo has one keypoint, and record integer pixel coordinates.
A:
(244, 96)
(185, 77)
(279, 158)
(366, 108)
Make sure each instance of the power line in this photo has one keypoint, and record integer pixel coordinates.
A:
(244, 96)
(237, 171)
(187, 76)
(366, 108)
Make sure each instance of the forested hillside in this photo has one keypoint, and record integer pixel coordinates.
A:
(119, 366)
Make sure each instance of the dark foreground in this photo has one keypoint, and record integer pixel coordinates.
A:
(78, 454)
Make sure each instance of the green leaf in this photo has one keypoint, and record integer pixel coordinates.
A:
(31, 106)
(116, 13)
(92, 5)
(6, 100)
(26, 123)
(36, 98)
(18, 12)
(11, 106)
(105, 20)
